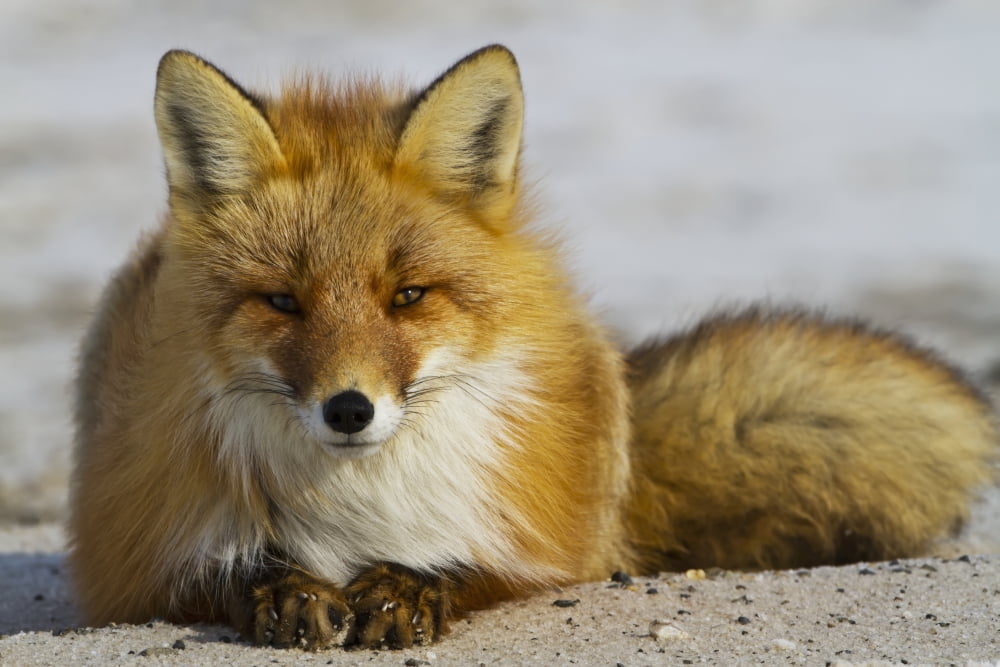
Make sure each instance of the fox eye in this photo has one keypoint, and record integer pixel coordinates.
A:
(286, 303)
(407, 296)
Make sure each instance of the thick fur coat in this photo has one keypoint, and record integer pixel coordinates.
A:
(347, 391)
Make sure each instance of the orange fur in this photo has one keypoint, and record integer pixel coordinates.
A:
(359, 238)
(780, 439)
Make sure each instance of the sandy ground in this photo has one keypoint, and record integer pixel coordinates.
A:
(695, 153)
(925, 611)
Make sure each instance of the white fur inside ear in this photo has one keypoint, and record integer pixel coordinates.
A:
(215, 138)
(464, 134)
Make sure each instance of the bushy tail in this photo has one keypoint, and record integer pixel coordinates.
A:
(779, 439)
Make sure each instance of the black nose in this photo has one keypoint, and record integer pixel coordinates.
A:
(348, 412)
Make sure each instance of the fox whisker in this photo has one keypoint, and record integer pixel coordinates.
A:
(261, 383)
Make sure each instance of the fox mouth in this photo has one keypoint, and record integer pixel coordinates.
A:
(355, 445)
(352, 449)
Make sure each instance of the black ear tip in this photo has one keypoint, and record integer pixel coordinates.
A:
(182, 58)
(498, 48)
(491, 49)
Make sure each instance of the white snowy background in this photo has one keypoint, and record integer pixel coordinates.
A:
(695, 153)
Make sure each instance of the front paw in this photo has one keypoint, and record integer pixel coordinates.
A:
(397, 607)
(295, 609)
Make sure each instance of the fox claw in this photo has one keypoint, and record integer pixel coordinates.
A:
(295, 610)
(398, 608)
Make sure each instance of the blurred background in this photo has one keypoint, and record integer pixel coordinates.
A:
(694, 153)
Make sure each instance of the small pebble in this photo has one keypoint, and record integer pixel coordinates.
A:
(783, 645)
(697, 575)
(180, 645)
(566, 603)
(665, 631)
(743, 620)
(622, 578)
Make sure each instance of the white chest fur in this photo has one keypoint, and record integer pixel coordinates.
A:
(426, 499)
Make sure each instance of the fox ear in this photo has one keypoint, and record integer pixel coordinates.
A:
(463, 136)
(216, 140)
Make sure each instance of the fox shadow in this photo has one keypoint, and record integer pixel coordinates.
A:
(36, 595)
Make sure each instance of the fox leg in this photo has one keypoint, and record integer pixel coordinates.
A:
(396, 606)
(284, 607)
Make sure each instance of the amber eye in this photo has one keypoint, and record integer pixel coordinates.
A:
(286, 303)
(407, 296)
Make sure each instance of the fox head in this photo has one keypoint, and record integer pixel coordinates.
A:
(345, 250)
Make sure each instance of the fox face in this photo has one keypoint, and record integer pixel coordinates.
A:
(332, 241)
(349, 322)
(372, 313)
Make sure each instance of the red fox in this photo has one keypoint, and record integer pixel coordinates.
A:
(346, 392)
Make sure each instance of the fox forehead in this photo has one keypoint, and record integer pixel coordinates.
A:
(336, 203)
(329, 227)
(352, 124)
